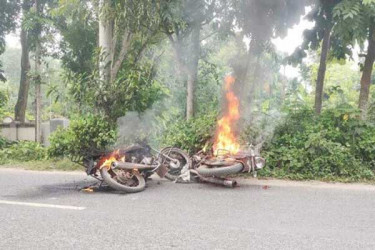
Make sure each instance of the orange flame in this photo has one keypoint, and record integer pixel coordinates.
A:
(107, 160)
(225, 137)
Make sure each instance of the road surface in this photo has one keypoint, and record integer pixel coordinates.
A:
(47, 210)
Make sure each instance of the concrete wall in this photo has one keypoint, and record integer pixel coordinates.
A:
(9, 133)
(14, 131)
(18, 132)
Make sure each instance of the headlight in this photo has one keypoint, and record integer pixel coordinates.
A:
(260, 162)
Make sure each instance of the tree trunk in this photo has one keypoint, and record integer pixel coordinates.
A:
(116, 61)
(105, 43)
(283, 86)
(322, 69)
(23, 92)
(38, 95)
(193, 71)
(367, 71)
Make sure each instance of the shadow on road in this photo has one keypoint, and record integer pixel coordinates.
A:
(57, 189)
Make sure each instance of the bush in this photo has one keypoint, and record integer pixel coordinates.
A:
(4, 98)
(333, 145)
(84, 136)
(191, 135)
(4, 143)
(23, 151)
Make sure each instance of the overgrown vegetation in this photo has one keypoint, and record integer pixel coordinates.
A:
(85, 135)
(335, 145)
(304, 146)
(23, 151)
(192, 135)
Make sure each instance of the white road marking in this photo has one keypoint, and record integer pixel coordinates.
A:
(30, 204)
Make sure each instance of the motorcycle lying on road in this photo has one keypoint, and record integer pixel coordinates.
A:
(127, 169)
(216, 168)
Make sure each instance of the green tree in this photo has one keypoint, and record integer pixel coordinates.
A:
(259, 22)
(77, 23)
(182, 22)
(356, 24)
(121, 25)
(321, 33)
(23, 92)
(8, 16)
(127, 31)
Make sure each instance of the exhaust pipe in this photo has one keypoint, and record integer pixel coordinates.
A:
(131, 166)
(222, 182)
(215, 180)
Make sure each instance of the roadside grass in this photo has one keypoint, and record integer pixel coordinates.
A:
(45, 165)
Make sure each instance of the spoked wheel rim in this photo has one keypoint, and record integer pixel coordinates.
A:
(175, 168)
(125, 178)
(124, 181)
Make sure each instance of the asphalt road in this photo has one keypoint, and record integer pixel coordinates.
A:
(256, 215)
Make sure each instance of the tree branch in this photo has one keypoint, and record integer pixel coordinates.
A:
(123, 52)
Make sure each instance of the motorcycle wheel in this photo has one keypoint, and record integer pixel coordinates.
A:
(181, 156)
(132, 185)
(220, 171)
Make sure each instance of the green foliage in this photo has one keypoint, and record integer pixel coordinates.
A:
(3, 102)
(135, 89)
(8, 13)
(4, 143)
(191, 135)
(76, 22)
(334, 145)
(22, 151)
(84, 136)
(322, 15)
(353, 19)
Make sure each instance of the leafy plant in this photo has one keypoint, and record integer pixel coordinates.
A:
(135, 89)
(23, 151)
(4, 142)
(86, 135)
(4, 98)
(191, 135)
(333, 145)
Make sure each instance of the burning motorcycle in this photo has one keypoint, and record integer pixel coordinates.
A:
(227, 158)
(127, 169)
(215, 168)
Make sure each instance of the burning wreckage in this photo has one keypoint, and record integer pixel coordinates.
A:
(127, 169)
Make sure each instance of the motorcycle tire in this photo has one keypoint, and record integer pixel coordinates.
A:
(172, 175)
(220, 171)
(120, 187)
